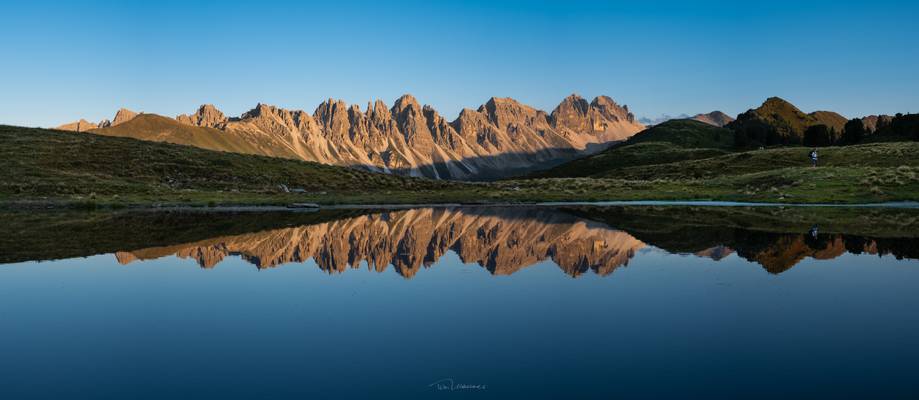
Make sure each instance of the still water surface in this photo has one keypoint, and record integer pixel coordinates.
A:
(461, 302)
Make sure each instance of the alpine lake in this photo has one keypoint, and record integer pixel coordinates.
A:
(551, 301)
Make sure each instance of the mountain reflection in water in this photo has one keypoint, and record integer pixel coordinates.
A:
(503, 240)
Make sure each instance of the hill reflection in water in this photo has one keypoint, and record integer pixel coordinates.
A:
(502, 240)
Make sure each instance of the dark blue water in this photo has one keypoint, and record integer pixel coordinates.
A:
(496, 313)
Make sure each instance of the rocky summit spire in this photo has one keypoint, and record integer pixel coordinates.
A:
(123, 115)
(610, 110)
(207, 116)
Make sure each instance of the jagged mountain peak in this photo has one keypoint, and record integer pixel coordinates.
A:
(503, 137)
(574, 101)
(611, 110)
(378, 110)
(405, 101)
(257, 111)
(123, 115)
(573, 97)
(605, 101)
(207, 116)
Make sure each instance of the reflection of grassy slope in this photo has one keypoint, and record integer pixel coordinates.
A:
(56, 235)
(776, 238)
(874, 222)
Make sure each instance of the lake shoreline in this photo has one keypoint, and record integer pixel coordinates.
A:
(69, 205)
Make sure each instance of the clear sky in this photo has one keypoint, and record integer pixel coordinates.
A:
(60, 62)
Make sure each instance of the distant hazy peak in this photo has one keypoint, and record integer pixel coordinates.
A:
(716, 118)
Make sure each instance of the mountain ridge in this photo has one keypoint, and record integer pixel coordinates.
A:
(499, 136)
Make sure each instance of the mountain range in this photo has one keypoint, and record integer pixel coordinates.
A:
(500, 138)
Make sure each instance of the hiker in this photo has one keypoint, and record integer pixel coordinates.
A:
(814, 157)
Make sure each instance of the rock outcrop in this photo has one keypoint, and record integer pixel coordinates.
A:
(601, 120)
(206, 116)
(79, 126)
(123, 115)
(501, 138)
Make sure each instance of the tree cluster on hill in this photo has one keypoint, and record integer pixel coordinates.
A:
(901, 126)
(778, 122)
(857, 130)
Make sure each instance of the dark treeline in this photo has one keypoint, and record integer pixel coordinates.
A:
(901, 127)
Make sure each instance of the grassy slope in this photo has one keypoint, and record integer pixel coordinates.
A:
(684, 159)
(864, 173)
(671, 141)
(884, 155)
(157, 128)
(40, 163)
(686, 133)
(780, 113)
(45, 166)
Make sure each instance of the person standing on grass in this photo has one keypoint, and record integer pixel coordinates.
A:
(814, 157)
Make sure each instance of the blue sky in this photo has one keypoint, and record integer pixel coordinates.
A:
(59, 62)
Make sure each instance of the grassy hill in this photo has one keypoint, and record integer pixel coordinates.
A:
(876, 155)
(665, 160)
(156, 128)
(671, 141)
(49, 164)
(777, 121)
(686, 133)
(40, 167)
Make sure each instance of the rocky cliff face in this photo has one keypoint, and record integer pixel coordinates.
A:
(80, 126)
(601, 120)
(500, 138)
(206, 116)
(123, 115)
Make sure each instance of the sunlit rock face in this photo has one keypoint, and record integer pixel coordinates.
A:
(500, 138)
